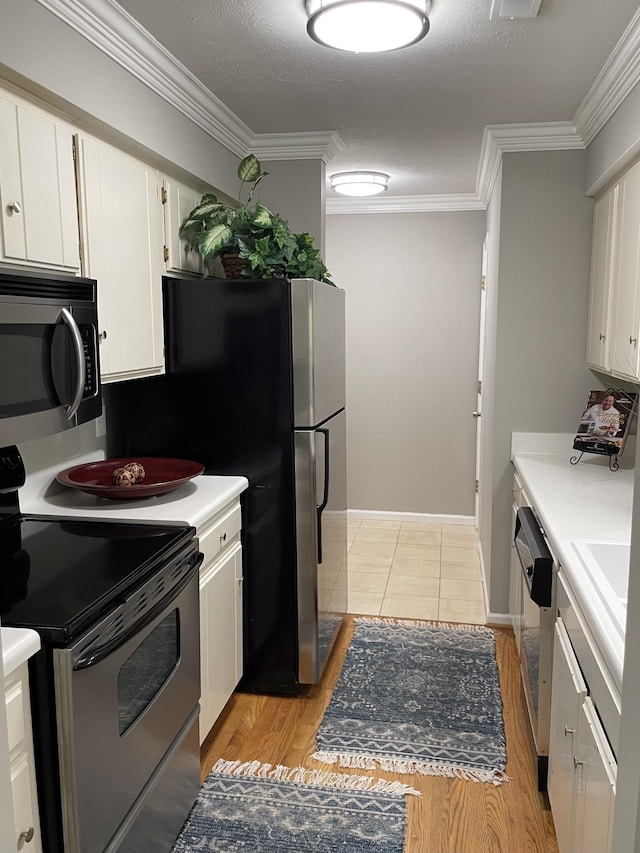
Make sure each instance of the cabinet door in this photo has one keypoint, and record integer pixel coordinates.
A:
(626, 275)
(604, 224)
(37, 190)
(178, 201)
(122, 250)
(595, 789)
(221, 635)
(567, 695)
(27, 834)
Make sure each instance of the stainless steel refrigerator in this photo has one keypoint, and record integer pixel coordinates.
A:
(255, 385)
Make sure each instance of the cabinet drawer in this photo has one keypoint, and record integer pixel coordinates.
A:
(217, 534)
(14, 698)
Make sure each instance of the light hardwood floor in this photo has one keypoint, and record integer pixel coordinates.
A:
(452, 816)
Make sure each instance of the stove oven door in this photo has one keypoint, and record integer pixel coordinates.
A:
(125, 693)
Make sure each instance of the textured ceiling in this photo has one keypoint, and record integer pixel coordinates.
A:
(418, 113)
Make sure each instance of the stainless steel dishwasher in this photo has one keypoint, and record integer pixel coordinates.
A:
(537, 617)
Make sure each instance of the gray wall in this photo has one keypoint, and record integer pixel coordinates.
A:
(541, 377)
(296, 190)
(616, 146)
(413, 293)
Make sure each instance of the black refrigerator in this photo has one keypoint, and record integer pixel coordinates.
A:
(255, 385)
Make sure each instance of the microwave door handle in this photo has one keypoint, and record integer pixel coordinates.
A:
(325, 491)
(78, 348)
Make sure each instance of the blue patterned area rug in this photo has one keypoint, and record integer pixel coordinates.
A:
(255, 807)
(417, 697)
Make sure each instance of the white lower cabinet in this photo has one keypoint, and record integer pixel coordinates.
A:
(582, 768)
(221, 657)
(23, 780)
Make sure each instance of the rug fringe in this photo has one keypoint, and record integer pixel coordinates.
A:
(404, 767)
(313, 777)
(421, 623)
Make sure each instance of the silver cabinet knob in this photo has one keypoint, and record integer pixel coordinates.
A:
(568, 731)
(576, 762)
(633, 340)
(15, 207)
(27, 835)
(602, 337)
(103, 335)
(476, 414)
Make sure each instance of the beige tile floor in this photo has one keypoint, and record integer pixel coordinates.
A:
(415, 570)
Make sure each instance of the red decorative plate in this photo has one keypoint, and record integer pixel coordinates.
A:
(161, 476)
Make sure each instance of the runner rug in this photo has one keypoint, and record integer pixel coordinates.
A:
(257, 807)
(417, 697)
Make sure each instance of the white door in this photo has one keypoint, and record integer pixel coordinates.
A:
(478, 412)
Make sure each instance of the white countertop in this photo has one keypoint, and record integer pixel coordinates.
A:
(582, 501)
(191, 503)
(18, 645)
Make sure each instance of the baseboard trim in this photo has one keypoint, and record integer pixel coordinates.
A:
(498, 619)
(384, 515)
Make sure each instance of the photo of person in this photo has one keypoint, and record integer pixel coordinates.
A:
(605, 422)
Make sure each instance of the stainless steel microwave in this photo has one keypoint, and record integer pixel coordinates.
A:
(49, 363)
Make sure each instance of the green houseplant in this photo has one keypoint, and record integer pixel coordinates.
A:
(251, 240)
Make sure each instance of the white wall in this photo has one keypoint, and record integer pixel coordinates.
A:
(412, 284)
(541, 377)
(488, 378)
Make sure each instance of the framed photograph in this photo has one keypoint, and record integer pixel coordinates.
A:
(604, 425)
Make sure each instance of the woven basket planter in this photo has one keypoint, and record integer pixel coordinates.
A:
(233, 264)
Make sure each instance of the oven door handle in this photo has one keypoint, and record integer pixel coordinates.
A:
(78, 349)
(96, 655)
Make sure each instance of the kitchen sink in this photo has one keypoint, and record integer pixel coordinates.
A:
(608, 564)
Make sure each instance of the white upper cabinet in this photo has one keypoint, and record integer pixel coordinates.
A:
(626, 270)
(122, 249)
(178, 200)
(614, 311)
(598, 341)
(39, 215)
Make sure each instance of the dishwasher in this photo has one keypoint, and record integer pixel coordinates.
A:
(536, 623)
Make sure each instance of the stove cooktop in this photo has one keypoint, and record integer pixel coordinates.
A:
(57, 575)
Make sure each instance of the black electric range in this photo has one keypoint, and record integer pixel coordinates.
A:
(99, 585)
(59, 575)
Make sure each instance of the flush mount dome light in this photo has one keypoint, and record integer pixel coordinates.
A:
(367, 26)
(359, 183)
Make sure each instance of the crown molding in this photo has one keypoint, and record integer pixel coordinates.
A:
(406, 204)
(619, 75)
(111, 29)
(296, 146)
(499, 138)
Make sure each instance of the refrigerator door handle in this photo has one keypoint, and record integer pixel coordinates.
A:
(325, 491)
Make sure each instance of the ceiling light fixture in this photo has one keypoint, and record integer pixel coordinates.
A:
(367, 26)
(359, 183)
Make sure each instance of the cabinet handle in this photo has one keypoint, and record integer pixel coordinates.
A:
(223, 538)
(568, 731)
(103, 335)
(27, 835)
(576, 762)
(602, 337)
(15, 207)
(633, 340)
